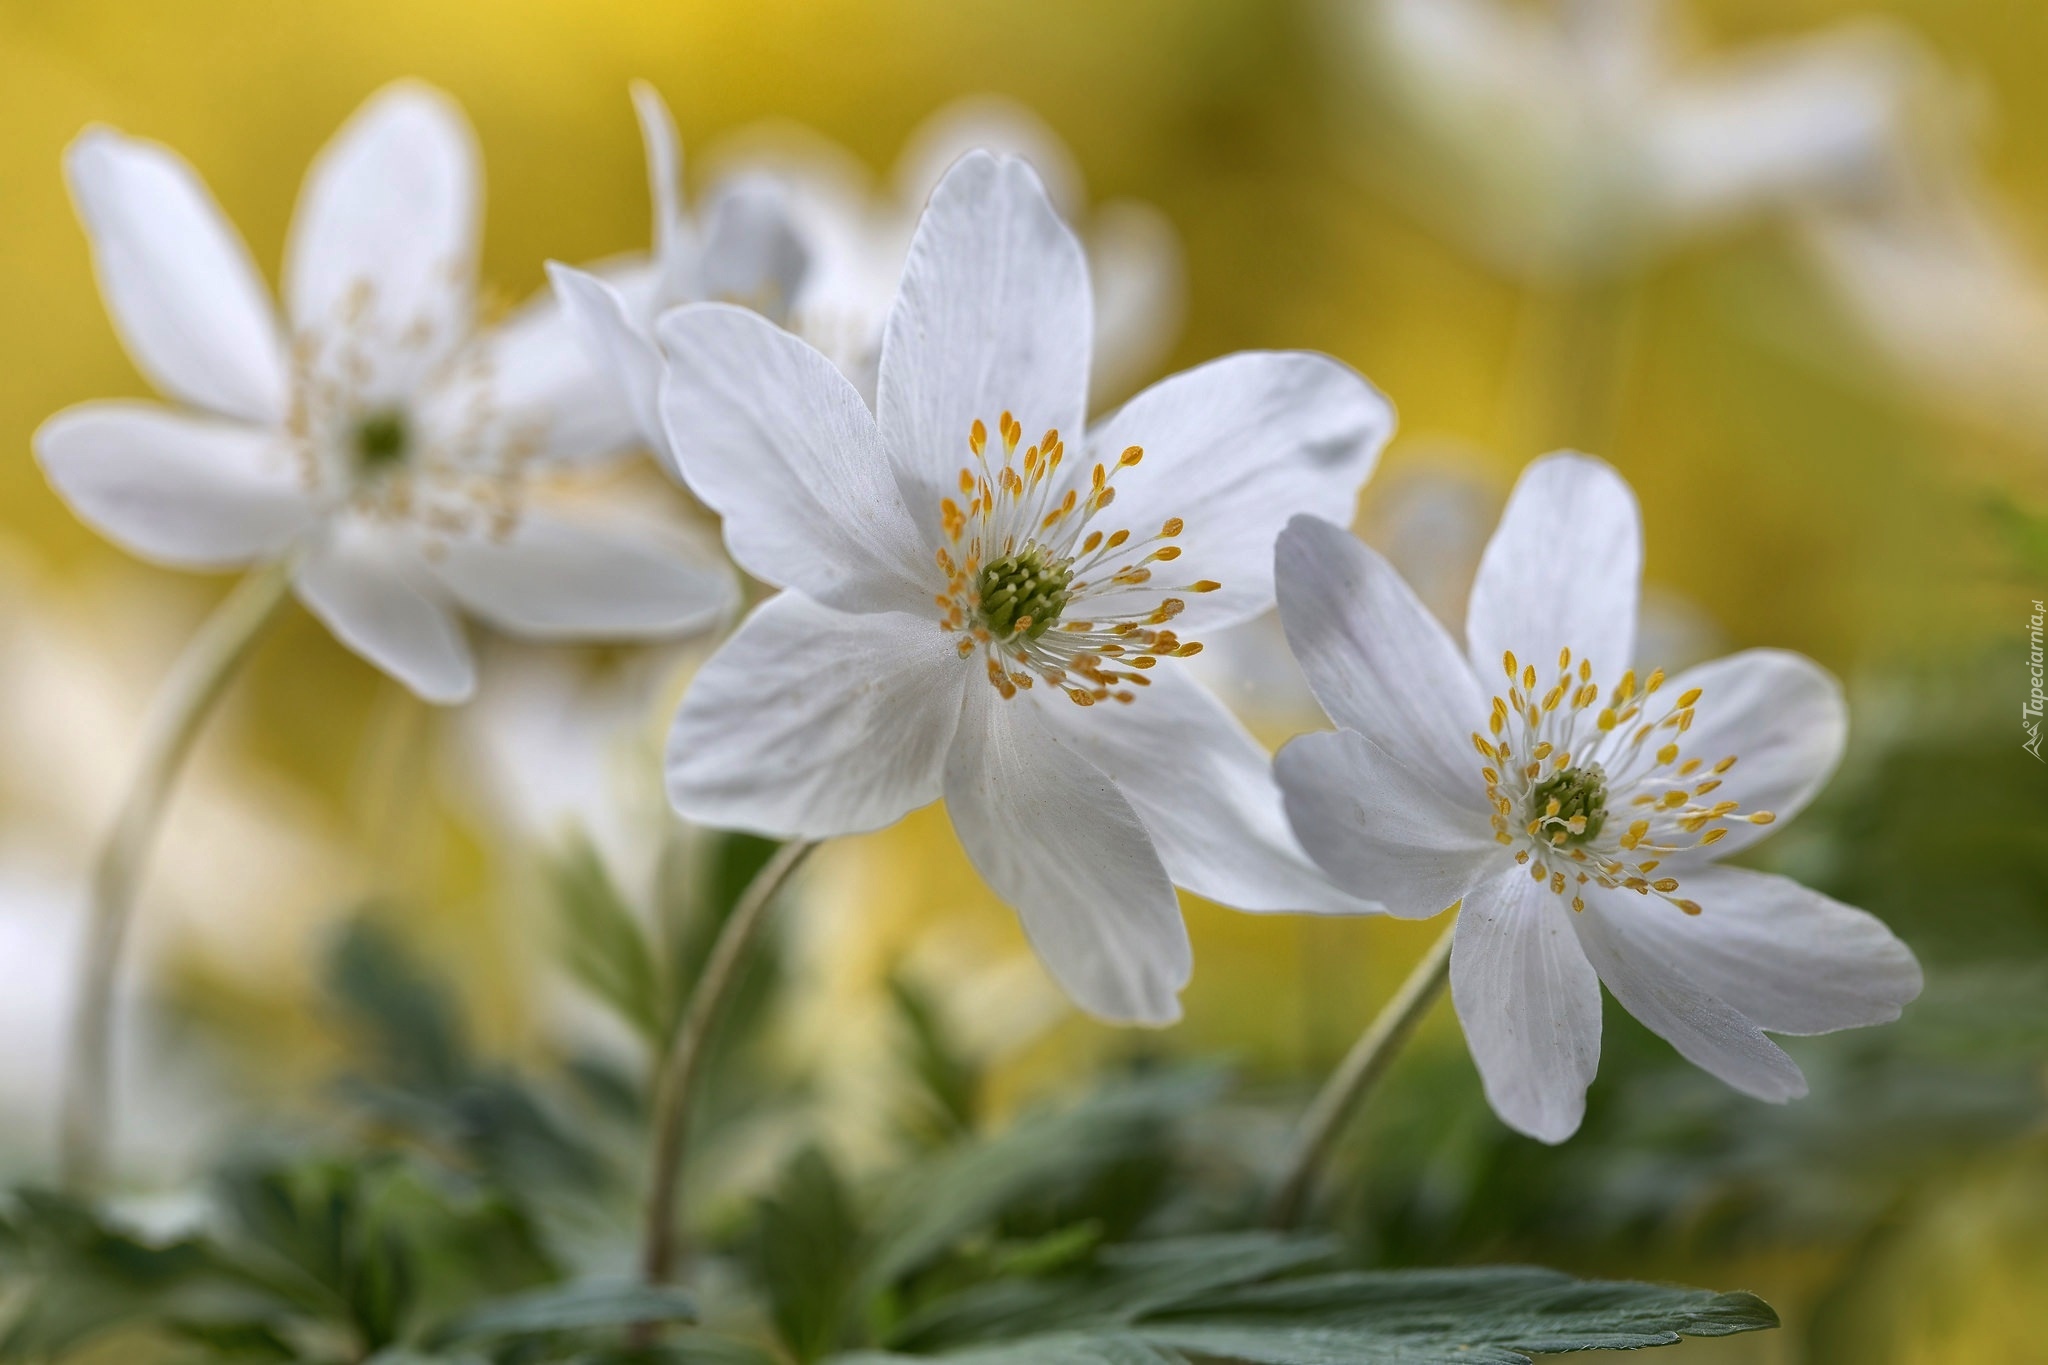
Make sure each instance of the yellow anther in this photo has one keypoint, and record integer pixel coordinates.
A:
(1172, 527)
(1667, 754)
(1714, 834)
(1665, 884)
(1564, 658)
(1131, 455)
(1725, 764)
(1690, 907)
(1688, 697)
(1508, 662)
(1116, 538)
(1606, 721)
(1204, 585)
(1656, 680)
(1761, 817)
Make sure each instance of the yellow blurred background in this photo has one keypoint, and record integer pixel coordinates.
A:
(1798, 489)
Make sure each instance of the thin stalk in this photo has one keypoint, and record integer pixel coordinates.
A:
(197, 680)
(676, 1087)
(1367, 1061)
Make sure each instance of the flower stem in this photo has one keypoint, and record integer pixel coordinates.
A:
(1367, 1061)
(196, 683)
(675, 1087)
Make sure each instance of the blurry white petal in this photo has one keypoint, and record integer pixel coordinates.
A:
(771, 437)
(1377, 661)
(810, 722)
(375, 595)
(1562, 571)
(753, 255)
(1529, 1002)
(993, 316)
(1140, 281)
(1378, 829)
(177, 279)
(385, 233)
(1640, 957)
(556, 578)
(624, 357)
(672, 247)
(1782, 717)
(1235, 448)
(988, 123)
(194, 492)
(544, 376)
(1205, 790)
(1051, 833)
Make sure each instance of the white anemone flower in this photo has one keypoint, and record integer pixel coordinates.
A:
(966, 616)
(856, 233)
(411, 462)
(1575, 809)
(746, 251)
(1575, 136)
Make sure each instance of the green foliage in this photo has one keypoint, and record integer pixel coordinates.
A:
(946, 1085)
(604, 946)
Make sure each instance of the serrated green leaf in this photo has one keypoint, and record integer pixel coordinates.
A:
(605, 947)
(405, 1015)
(583, 1306)
(946, 1102)
(804, 1250)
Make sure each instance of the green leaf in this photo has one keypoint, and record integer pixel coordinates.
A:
(1073, 1348)
(804, 1250)
(604, 945)
(967, 1189)
(577, 1307)
(946, 1103)
(405, 1015)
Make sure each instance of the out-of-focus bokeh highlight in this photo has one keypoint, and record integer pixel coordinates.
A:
(1786, 265)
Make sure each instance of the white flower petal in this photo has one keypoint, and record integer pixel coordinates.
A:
(1643, 958)
(753, 255)
(1530, 1005)
(1140, 279)
(673, 249)
(1205, 790)
(1379, 829)
(1056, 839)
(1562, 572)
(1378, 661)
(989, 123)
(385, 233)
(771, 437)
(177, 279)
(1790, 959)
(374, 593)
(545, 378)
(1235, 448)
(554, 578)
(194, 492)
(623, 356)
(811, 722)
(993, 316)
(1783, 718)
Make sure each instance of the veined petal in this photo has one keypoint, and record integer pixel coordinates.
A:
(753, 255)
(1205, 790)
(1377, 828)
(771, 437)
(375, 594)
(1235, 448)
(543, 376)
(993, 316)
(622, 356)
(812, 722)
(1789, 959)
(1530, 1004)
(385, 233)
(194, 492)
(178, 281)
(556, 578)
(1562, 571)
(1782, 717)
(1056, 839)
(1378, 661)
(1641, 958)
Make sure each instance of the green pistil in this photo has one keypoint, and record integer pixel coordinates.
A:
(1031, 584)
(381, 440)
(1577, 791)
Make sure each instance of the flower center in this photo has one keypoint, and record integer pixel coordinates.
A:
(1042, 594)
(382, 439)
(1563, 765)
(1024, 593)
(1572, 801)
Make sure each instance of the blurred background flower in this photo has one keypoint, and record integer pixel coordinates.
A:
(1782, 264)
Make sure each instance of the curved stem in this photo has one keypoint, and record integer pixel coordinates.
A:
(1367, 1061)
(675, 1089)
(196, 682)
